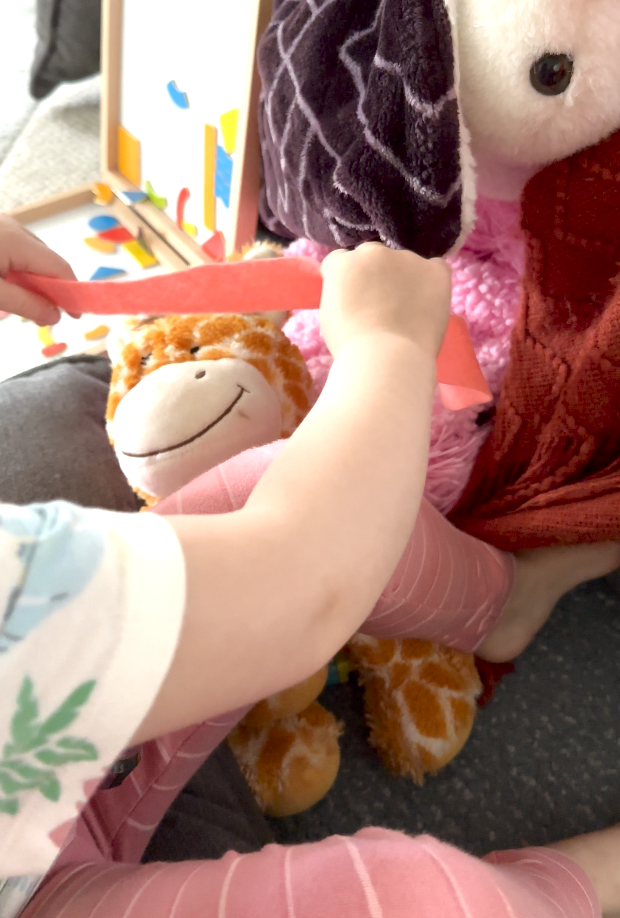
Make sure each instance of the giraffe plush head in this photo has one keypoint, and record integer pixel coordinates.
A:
(189, 392)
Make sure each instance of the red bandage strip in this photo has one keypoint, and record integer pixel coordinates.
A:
(273, 284)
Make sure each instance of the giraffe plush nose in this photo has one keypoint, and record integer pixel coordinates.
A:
(184, 418)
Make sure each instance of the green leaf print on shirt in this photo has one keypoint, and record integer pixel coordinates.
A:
(33, 742)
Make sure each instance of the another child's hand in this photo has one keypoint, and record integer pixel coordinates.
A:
(20, 250)
(373, 289)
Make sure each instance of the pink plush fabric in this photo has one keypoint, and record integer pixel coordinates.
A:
(487, 275)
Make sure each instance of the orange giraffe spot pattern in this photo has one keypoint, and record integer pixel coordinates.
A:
(420, 701)
(147, 345)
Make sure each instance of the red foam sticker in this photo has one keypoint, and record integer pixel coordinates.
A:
(182, 200)
(215, 247)
(52, 350)
(118, 234)
(261, 285)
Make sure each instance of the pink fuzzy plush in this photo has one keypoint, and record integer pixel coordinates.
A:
(487, 274)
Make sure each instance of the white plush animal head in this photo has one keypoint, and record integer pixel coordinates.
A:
(539, 80)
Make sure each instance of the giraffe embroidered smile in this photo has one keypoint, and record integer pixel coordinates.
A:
(153, 442)
(169, 449)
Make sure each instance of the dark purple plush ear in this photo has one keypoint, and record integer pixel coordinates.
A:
(360, 128)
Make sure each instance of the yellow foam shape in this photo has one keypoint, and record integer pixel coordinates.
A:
(129, 156)
(103, 193)
(99, 332)
(190, 229)
(210, 163)
(100, 245)
(44, 335)
(229, 121)
(144, 258)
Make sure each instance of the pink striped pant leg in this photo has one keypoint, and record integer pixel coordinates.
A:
(374, 874)
(117, 824)
(448, 587)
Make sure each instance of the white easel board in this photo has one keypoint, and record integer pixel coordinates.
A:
(180, 110)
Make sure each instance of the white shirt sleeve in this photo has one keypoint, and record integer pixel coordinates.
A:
(91, 606)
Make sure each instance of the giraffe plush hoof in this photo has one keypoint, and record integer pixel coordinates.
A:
(290, 764)
(290, 701)
(420, 701)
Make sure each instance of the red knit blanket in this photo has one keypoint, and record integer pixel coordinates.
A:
(549, 472)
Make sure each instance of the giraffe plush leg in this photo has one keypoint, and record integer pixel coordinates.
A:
(291, 763)
(420, 701)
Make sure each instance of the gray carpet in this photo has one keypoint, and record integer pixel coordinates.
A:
(543, 761)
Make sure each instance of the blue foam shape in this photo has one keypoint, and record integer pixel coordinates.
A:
(103, 222)
(107, 273)
(133, 197)
(179, 98)
(223, 176)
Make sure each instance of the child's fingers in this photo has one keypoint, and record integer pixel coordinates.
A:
(37, 258)
(23, 303)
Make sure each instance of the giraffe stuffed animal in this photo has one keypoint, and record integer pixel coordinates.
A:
(188, 393)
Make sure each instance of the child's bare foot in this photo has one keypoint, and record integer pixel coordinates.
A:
(542, 576)
(598, 854)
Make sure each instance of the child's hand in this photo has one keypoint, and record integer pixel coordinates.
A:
(20, 250)
(373, 289)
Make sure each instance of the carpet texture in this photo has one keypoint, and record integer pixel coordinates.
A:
(19, 40)
(543, 761)
(58, 149)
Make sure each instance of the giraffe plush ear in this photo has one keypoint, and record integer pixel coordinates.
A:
(383, 154)
(260, 251)
(122, 331)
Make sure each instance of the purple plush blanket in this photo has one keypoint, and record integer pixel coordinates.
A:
(359, 123)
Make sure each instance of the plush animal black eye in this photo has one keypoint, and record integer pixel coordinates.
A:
(551, 74)
(194, 350)
(144, 360)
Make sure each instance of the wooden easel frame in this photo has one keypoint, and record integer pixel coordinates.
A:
(246, 172)
(173, 248)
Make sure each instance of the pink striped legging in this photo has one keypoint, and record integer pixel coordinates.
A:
(448, 587)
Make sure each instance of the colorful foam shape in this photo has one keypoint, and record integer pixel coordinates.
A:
(155, 198)
(129, 156)
(223, 176)
(178, 97)
(44, 334)
(54, 349)
(103, 193)
(248, 286)
(182, 200)
(107, 274)
(100, 331)
(210, 162)
(229, 122)
(102, 223)
(105, 246)
(117, 234)
(137, 251)
(190, 229)
(133, 197)
(215, 247)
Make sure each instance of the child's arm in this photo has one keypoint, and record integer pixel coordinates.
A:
(276, 588)
(20, 250)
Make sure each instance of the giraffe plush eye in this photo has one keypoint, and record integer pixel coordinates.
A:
(145, 359)
(551, 74)
(194, 350)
